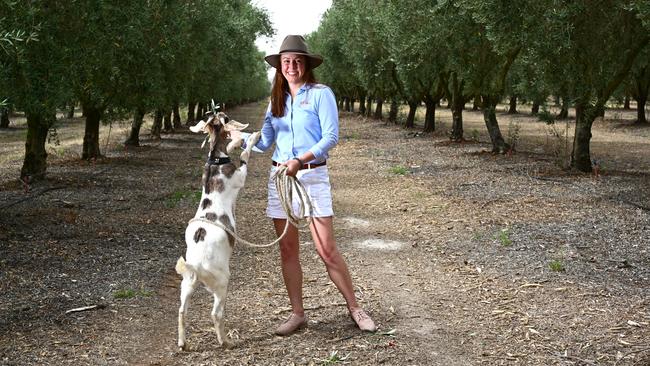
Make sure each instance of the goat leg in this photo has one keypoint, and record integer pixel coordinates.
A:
(252, 140)
(217, 317)
(188, 285)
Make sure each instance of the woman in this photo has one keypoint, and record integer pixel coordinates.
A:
(302, 121)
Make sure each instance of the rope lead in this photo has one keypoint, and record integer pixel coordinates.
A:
(285, 186)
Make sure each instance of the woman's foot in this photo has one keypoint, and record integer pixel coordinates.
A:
(293, 323)
(364, 322)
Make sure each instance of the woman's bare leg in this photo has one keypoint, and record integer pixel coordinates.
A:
(291, 269)
(322, 231)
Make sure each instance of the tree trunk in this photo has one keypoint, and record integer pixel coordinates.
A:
(90, 148)
(640, 110)
(534, 110)
(430, 114)
(457, 121)
(489, 116)
(410, 118)
(4, 117)
(167, 121)
(134, 136)
(191, 106)
(71, 111)
(201, 111)
(157, 124)
(581, 156)
(35, 163)
(368, 106)
(346, 104)
(392, 114)
(352, 105)
(362, 105)
(457, 104)
(564, 112)
(512, 109)
(640, 92)
(379, 109)
(626, 102)
(176, 116)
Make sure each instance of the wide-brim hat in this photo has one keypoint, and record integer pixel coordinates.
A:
(294, 44)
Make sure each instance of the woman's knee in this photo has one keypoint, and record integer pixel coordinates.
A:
(330, 256)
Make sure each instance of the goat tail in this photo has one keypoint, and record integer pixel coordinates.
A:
(185, 269)
(181, 266)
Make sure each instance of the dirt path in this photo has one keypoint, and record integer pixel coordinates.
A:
(462, 257)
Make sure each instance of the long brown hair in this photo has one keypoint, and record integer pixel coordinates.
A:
(281, 88)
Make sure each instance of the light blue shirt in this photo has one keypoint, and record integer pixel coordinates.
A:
(311, 123)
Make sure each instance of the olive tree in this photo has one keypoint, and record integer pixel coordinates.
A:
(358, 24)
(33, 74)
(595, 47)
(415, 42)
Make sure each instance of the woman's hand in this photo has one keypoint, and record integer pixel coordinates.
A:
(293, 166)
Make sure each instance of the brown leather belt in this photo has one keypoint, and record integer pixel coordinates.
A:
(304, 166)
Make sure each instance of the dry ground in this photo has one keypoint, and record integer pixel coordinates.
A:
(461, 256)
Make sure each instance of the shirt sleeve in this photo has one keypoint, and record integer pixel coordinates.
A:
(329, 122)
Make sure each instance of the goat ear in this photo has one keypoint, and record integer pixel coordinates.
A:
(199, 127)
(235, 126)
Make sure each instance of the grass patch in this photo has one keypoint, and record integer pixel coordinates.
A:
(129, 293)
(334, 358)
(399, 170)
(178, 196)
(503, 236)
(556, 266)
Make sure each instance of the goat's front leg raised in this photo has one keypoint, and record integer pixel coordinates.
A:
(252, 140)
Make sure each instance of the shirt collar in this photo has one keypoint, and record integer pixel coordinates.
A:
(303, 89)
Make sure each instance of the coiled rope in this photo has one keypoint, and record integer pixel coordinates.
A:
(285, 185)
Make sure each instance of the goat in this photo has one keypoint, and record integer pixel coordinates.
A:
(208, 245)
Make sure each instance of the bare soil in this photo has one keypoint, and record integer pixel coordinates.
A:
(461, 256)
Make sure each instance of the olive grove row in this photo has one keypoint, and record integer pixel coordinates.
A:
(581, 52)
(124, 58)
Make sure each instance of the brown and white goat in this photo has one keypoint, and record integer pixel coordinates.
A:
(209, 246)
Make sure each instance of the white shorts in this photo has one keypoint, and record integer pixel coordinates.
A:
(317, 184)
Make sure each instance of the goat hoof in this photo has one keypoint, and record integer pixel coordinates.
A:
(254, 138)
(182, 348)
(228, 344)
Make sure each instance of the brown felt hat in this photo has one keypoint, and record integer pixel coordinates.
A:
(294, 44)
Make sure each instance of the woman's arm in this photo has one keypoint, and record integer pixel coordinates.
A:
(328, 115)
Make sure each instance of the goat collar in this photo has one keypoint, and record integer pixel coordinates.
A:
(218, 161)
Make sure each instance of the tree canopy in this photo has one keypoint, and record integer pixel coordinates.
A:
(121, 56)
(580, 51)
